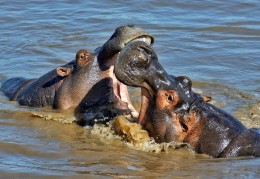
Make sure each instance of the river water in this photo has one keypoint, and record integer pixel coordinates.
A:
(215, 43)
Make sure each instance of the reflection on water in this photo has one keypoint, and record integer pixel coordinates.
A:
(215, 43)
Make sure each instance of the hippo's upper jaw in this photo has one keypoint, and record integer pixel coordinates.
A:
(120, 38)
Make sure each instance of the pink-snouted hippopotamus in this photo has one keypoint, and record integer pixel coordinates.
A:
(86, 84)
(171, 111)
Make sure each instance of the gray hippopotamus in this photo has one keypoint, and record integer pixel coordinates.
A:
(87, 83)
(171, 111)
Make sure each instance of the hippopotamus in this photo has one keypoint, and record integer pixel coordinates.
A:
(86, 84)
(172, 111)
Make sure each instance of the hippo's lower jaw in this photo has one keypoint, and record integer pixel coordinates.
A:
(145, 100)
(121, 94)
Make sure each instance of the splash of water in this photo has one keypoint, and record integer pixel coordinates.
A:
(132, 135)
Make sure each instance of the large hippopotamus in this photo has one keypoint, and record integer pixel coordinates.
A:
(171, 111)
(86, 84)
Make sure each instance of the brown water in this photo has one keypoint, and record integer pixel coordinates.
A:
(215, 43)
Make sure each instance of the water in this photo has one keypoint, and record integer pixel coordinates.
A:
(215, 43)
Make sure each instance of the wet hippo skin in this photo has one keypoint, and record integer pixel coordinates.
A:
(171, 111)
(86, 84)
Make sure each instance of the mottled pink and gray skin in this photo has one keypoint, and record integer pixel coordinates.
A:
(171, 111)
(86, 84)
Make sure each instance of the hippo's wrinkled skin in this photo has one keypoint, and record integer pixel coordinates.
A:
(171, 111)
(87, 83)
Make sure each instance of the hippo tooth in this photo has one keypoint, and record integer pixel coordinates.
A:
(144, 39)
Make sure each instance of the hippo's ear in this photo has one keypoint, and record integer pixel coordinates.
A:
(63, 71)
(207, 98)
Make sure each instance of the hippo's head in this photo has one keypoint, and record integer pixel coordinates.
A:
(166, 100)
(92, 86)
(163, 95)
(170, 110)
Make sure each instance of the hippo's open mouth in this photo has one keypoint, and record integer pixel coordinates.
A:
(120, 89)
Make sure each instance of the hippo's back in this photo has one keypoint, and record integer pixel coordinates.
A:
(12, 86)
(246, 144)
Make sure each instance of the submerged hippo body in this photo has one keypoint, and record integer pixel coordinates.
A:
(87, 83)
(35, 92)
(171, 111)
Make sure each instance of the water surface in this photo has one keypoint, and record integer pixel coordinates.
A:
(215, 43)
